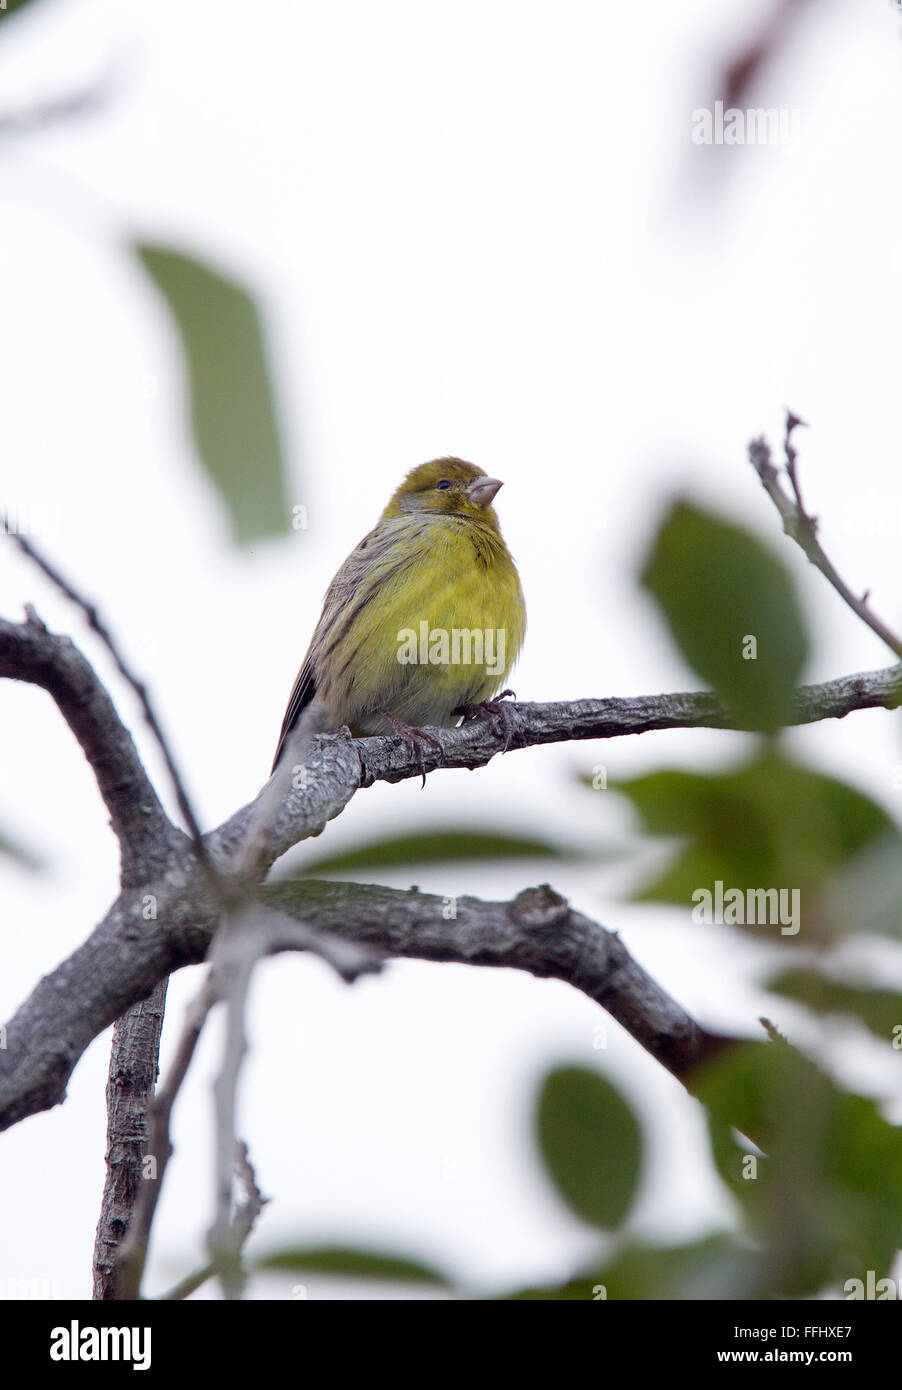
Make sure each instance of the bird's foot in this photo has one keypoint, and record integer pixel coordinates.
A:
(414, 738)
(493, 709)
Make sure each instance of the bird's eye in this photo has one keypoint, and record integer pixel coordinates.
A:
(443, 484)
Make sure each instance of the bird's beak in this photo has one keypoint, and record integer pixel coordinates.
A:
(483, 491)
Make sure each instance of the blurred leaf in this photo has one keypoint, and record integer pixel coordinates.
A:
(719, 587)
(715, 1268)
(11, 7)
(826, 1202)
(770, 824)
(356, 1264)
(591, 1144)
(436, 847)
(879, 1010)
(232, 408)
(868, 892)
(13, 849)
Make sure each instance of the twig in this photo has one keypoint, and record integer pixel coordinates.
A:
(231, 970)
(745, 69)
(243, 1222)
(218, 984)
(802, 528)
(247, 933)
(189, 1285)
(97, 625)
(792, 423)
(248, 1210)
(62, 106)
(147, 839)
(57, 108)
(277, 931)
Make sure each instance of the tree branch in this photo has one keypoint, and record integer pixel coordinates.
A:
(131, 1082)
(474, 745)
(178, 895)
(131, 951)
(247, 1211)
(134, 1059)
(127, 1265)
(96, 623)
(29, 652)
(801, 527)
(120, 963)
(537, 932)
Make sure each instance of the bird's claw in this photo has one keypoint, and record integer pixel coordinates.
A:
(492, 709)
(414, 738)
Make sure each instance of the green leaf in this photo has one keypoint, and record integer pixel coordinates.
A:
(879, 1010)
(591, 1144)
(435, 847)
(724, 596)
(770, 824)
(715, 1268)
(356, 1264)
(232, 408)
(825, 1204)
(10, 8)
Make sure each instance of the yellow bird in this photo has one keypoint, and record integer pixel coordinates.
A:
(424, 619)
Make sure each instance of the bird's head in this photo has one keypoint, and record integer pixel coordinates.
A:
(446, 487)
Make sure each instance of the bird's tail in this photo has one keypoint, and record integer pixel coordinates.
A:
(303, 695)
(306, 722)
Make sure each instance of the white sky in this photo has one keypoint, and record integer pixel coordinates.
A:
(479, 228)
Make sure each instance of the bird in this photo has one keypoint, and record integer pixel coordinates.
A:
(423, 621)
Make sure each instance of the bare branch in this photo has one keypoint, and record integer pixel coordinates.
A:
(801, 527)
(115, 967)
(338, 765)
(129, 1094)
(28, 652)
(231, 970)
(135, 1052)
(97, 625)
(245, 1217)
(537, 932)
(208, 883)
(131, 1257)
(248, 932)
(232, 955)
(128, 954)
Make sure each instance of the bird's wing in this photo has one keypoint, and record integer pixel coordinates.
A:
(302, 692)
(369, 565)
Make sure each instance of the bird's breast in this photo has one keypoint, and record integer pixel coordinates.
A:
(435, 621)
